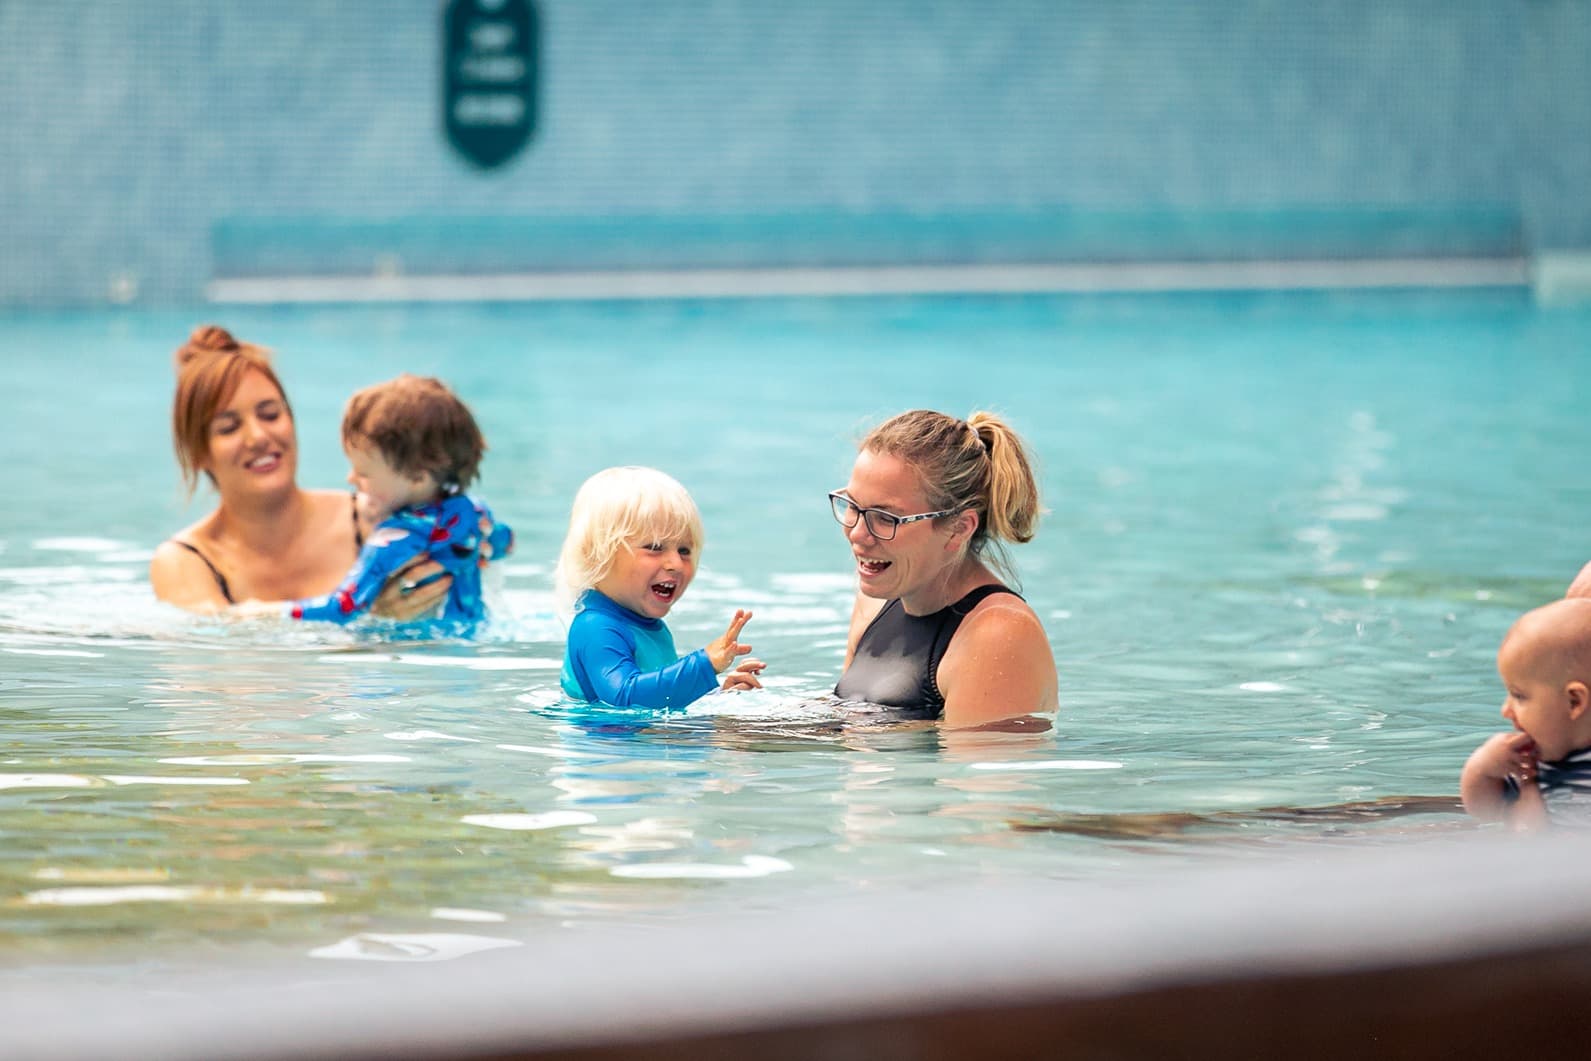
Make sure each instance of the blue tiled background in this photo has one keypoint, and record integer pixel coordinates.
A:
(146, 147)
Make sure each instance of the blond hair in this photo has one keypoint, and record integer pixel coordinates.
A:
(979, 463)
(612, 508)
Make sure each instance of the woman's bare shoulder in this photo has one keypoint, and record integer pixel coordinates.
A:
(999, 664)
(1003, 629)
(1002, 617)
(181, 576)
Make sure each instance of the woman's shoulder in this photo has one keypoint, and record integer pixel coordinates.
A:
(173, 555)
(180, 573)
(1000, 616)
(1000, 656)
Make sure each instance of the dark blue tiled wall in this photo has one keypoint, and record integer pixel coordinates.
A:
(144, 147)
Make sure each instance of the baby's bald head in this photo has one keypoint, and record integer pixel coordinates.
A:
(1552, 643)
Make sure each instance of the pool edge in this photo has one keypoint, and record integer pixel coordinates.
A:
(1438, 949)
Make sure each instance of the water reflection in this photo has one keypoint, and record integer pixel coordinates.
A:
(410, 947)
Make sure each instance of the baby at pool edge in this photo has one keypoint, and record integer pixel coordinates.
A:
(1522, 778)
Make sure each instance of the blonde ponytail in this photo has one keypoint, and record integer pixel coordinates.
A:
(979, 463)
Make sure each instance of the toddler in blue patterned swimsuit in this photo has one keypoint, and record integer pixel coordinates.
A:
(413, 447)
(1541, 772)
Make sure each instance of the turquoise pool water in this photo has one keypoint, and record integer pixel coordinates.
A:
(1286, 534)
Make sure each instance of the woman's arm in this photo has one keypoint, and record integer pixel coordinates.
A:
(392, 547)
(415, 591)
(406, 596)
(180, 577)
(998, 666)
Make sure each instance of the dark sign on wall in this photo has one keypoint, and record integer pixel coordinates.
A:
(489, 53)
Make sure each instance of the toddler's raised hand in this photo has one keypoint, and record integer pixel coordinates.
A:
(721, 651)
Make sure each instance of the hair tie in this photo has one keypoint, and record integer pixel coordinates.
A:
(978, 436)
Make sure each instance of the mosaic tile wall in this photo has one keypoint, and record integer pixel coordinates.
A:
(147, 147)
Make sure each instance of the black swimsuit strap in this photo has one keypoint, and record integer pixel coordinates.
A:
(947, 630)
(220, 579)
(975, 597)
(359, 536)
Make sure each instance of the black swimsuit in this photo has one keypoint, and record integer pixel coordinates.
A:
(897, 657)
(220, 579)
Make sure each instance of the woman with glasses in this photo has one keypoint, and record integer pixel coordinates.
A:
(936, 630)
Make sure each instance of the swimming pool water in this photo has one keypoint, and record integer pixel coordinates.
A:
(1286, 534)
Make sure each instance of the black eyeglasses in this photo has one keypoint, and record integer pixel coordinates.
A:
(880, 524)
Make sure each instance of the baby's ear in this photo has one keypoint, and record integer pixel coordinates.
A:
(1579, 699)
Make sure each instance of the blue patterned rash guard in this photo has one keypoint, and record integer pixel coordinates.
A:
(618, 657)
(448, 531)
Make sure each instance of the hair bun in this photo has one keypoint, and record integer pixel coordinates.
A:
(206, 339)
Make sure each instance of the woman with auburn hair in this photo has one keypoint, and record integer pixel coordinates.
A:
(936, 630)
(267, 539)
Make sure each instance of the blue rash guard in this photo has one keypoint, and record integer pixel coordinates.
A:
(448, 531)
(618, 657)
